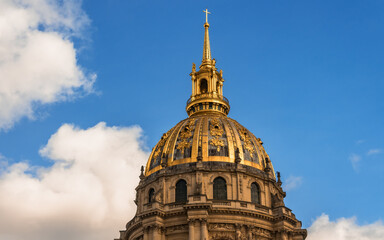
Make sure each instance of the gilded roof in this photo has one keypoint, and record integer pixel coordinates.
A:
(208, 134)
(207, 137)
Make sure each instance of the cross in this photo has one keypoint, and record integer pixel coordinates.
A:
(206, 15)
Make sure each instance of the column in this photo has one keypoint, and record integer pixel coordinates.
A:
(191, 223)
(146, 233)
(156, 230)
(203, 230)
(162, 233)
(249, 228)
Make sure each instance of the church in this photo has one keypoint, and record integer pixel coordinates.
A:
(209, 178)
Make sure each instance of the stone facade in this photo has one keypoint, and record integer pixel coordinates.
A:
(203, 217)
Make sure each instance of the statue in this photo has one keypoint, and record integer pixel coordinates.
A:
(193, 67)
(276, 201)
(159, 196)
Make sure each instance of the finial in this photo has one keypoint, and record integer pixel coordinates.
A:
(206, 15)
(279, 179)
(237, 155)
(142, 172)
(267, 168)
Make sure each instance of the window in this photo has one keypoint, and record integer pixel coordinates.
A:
(255, 193)
(203, 86)
(219, 189)
(151, 194)
(181, 191)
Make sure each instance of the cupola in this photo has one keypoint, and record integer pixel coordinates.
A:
(207, 83)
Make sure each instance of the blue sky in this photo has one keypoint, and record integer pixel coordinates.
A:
(306, 77)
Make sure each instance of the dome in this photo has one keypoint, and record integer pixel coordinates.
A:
(208, 137)
(209, 177)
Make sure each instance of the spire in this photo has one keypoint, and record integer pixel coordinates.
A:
(207, 83)
(207, 48)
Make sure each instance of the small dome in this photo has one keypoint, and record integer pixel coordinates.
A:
(208, 137)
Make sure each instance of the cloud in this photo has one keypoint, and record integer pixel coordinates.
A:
(373, 151)
(86, 194)
(292, 182)
(344, 229)
(38, 60)
(355, 159)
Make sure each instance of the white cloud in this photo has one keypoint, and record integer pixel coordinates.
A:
(38, 62)
(373, 151)
(355, 159)
(344, 229)
(292, 182)
(88, 192)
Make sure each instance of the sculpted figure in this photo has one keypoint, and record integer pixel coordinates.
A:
(159, 196)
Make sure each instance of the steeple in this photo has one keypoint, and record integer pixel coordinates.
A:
(207, 59)
(207, 83)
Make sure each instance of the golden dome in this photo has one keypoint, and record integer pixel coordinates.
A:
(208, 134)
(208, 137)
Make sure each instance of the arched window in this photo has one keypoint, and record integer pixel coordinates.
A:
(181, 191)
(255, 193)
(219, 189)
(203, 86)
(151, 193)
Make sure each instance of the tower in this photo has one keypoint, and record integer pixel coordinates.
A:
(209, 177)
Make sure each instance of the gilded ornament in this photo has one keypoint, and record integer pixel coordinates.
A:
(215, 128)
(157, 153)
(160, 145)
(183, 144)
(247, 141)
(185, 135)
(216, 131)
(217, 143)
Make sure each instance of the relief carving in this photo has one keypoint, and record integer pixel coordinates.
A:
(160, 145)
(221, 227)
(185, 135)
(222, 236)
(241, 233)
(261, 232)
(177, 228)
(244, 135)
(216, 131)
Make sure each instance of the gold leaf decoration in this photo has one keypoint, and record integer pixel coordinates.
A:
(161, 144)
(185, 134)
(183, 144)
(217, 143)
(244, 135)
(216, 131)
(156, 153)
